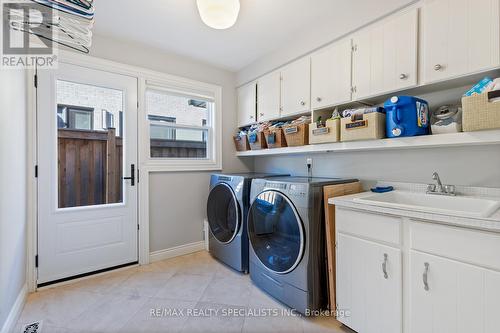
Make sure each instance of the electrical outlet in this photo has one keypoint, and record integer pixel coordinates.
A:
(309, 161)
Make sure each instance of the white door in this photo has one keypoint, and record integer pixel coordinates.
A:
(331, 75)
(87, 142)
(450, 296)
(247, 100)
(268, 96)
(296, 87)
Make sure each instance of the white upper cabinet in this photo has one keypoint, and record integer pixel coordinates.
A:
(459, 37)
(296, 87)
(331, 75)
(385, 55)
(247, 98)
(268, 96)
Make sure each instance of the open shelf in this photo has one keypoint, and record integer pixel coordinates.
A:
(427, 141)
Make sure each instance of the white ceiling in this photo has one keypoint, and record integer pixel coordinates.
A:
(263, 25)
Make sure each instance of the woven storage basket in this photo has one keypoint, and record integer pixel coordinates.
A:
(241, 143)
(275, 138)
(329, 133)
(480, 113)
(371, 126)
(257, 140)
(296, 135)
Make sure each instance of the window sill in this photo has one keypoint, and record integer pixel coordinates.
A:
(181, 166)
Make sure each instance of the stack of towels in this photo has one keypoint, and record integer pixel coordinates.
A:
(69, 22)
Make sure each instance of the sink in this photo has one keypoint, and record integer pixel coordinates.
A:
(461, 206)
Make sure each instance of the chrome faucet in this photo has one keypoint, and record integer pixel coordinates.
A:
(439, 188)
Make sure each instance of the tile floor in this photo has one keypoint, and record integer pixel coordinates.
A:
(198, 291)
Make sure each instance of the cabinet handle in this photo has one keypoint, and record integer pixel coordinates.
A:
(261, 114)
(384, 266)
(438, 67)
(251, 117)
(302, 103)
(319, 99)
(403, 76)
(424, 277)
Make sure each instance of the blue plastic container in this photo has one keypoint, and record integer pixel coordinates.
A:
(406, 116)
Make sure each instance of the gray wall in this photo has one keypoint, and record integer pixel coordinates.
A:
(472, 166)
(177, 199)
(13, 196)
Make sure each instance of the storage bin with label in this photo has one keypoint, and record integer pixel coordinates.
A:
(257, 140)
(328, 133)
(481, 112)
(367, 126)
(241, 143)
(275, 138)
(296, 134)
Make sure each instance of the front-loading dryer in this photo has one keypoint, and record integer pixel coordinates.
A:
(286, 230)
(227, 209)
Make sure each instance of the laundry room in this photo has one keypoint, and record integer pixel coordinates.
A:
(250, 166)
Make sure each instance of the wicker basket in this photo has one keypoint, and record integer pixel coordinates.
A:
(479, 113)
(329, 133)
(371, 126)
(296, 135)
(241, 143)
(275, 138)
(257, 140)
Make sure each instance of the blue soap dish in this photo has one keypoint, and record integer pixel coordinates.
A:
(382, 189)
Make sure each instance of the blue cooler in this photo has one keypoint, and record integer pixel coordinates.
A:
(406, 116)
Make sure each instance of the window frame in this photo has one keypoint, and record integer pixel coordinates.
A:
(191, 89)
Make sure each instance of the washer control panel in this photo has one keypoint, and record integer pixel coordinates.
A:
(297, 190)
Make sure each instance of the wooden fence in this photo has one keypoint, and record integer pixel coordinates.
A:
(90, 167)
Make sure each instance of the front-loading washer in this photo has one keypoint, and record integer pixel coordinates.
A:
(227, 209)
(286, 231)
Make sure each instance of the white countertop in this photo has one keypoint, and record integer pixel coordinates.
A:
(491, 223)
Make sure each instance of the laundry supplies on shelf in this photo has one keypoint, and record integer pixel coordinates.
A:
(241, 141)
(275, 137)
(482, 110)
(362, 124)
(325, 131)
(297, 131)
(406, 116)
(446, 119)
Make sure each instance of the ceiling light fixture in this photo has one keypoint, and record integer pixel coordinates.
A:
(219, 14)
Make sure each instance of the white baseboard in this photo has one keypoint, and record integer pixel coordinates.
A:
(15, 312)
(176, 251)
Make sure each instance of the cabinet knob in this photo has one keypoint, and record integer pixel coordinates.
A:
(261, 114)
(438, 67)
(251, 117)
(319, 99)
(403, 76)
(302, 103)
(424, 276)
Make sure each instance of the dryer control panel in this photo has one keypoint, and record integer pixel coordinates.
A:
(297, 190)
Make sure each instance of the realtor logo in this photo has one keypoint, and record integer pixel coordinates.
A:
(27, 35)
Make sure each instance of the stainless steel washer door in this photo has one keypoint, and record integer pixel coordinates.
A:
(223, 213)
(276, 232)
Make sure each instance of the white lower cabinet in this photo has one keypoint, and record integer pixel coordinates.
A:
(451, 296)
(369, 291)
(451, 284)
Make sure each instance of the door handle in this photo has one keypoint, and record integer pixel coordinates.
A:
(384, 266)
(132, 175)
(424, 276)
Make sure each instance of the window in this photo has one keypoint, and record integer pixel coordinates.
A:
(75, 117)
(182, 127)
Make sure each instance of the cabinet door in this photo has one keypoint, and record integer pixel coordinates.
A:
(296, 87)
(331, 75)
(268, 96)
(385, 55)
(459, 37)
(247, 104)
(369, 290)
(450, 296)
